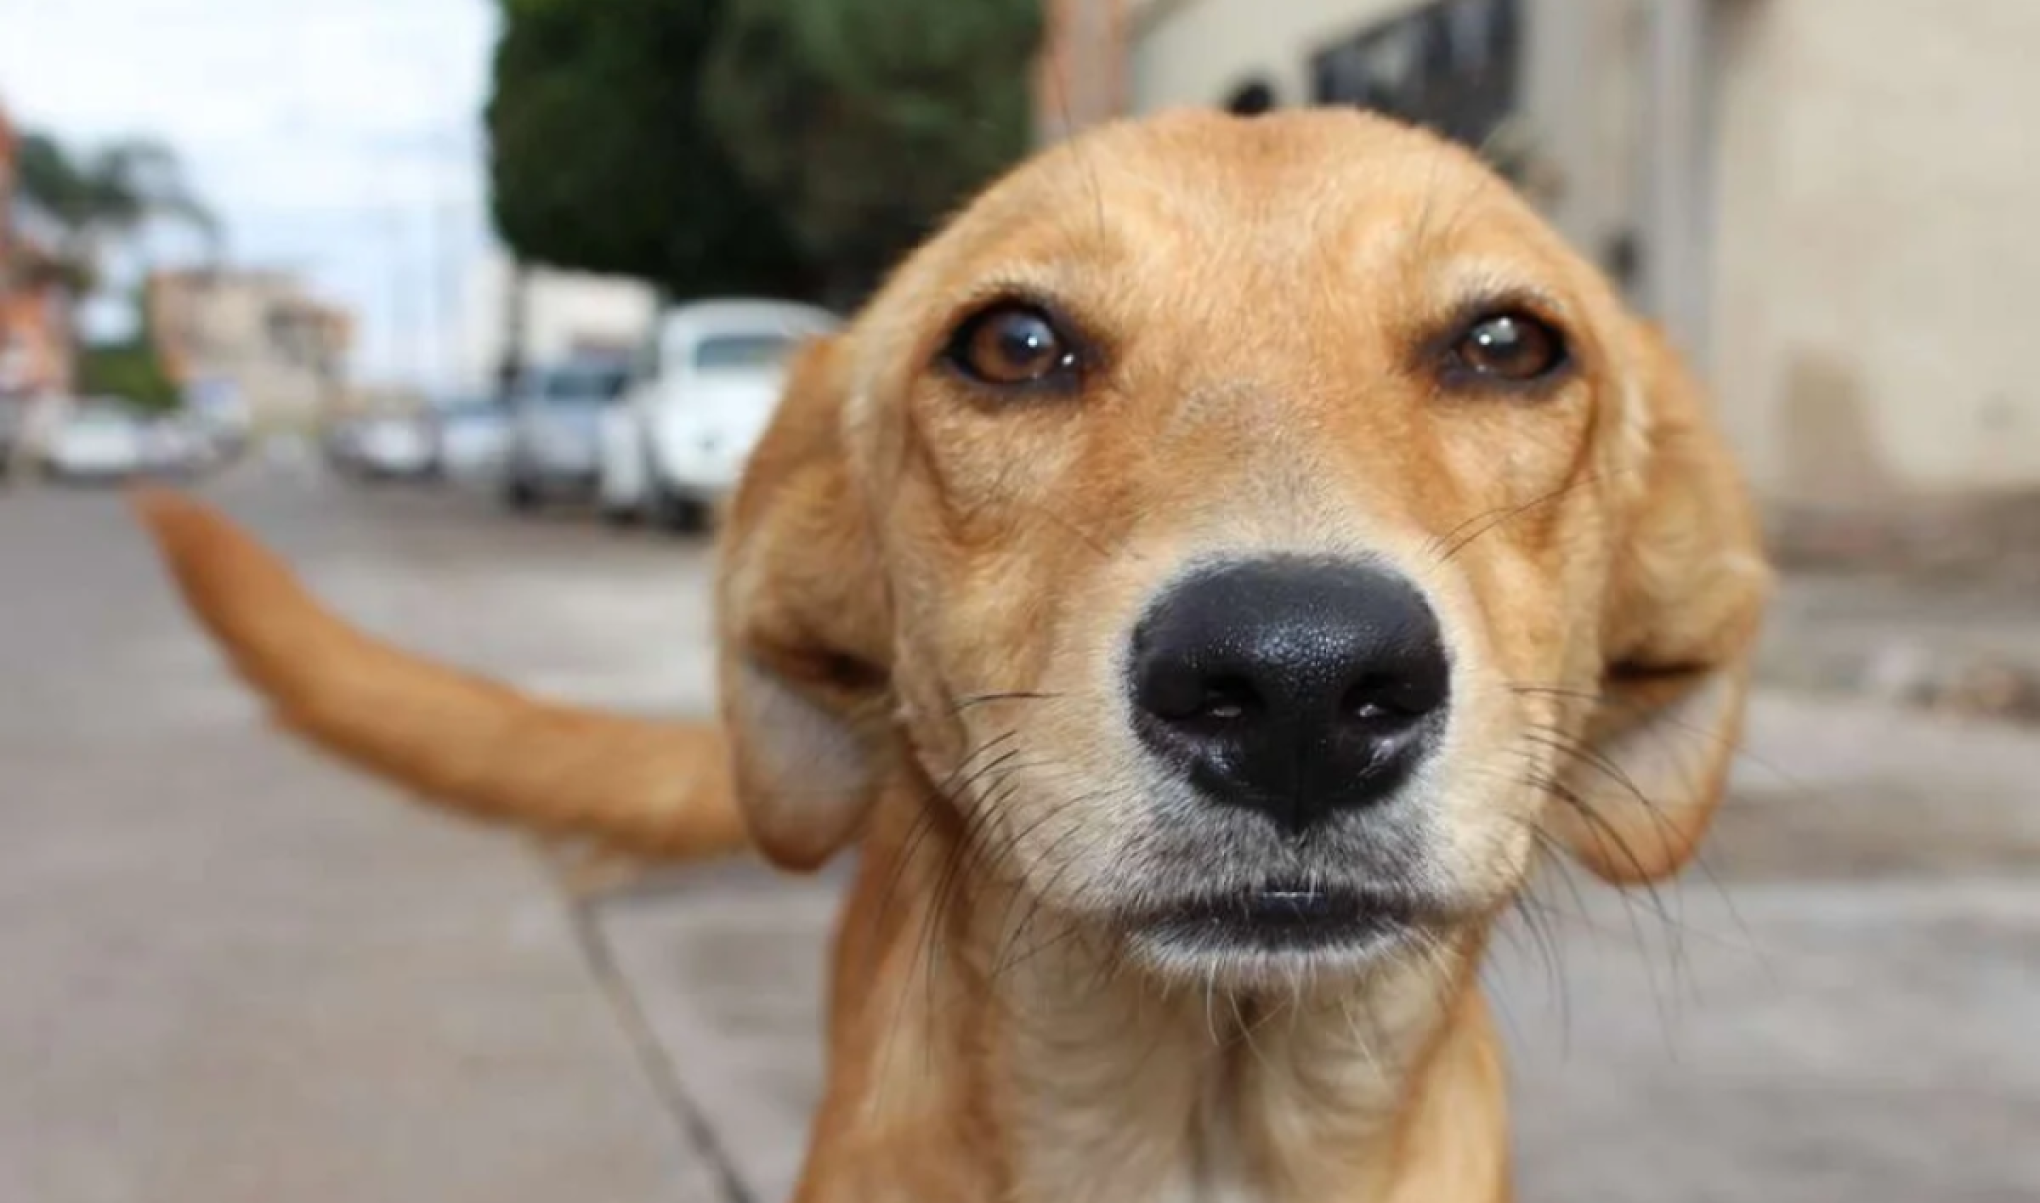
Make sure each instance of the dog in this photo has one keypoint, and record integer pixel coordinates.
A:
(1202, 584)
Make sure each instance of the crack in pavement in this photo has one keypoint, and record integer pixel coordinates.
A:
(687, 1115)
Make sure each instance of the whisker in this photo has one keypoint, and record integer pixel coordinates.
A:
(985, 699)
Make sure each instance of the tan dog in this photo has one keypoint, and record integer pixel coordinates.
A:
(1198, 583)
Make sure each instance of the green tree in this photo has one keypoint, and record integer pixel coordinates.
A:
(101, 201)
(600, 160)
(130, 370)
(106, 198)
(867, 121)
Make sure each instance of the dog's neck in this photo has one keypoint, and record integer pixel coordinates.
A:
(983, 1049)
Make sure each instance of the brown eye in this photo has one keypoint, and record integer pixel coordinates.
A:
(1013, 345)
(1512, 348)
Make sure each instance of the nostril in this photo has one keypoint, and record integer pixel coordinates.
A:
(1179, 694)
(1388, 702)
(1228, 699)
(1366, 704)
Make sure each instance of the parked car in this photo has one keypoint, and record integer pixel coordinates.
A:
(471, 434)
(704, 389)
(339, 444)
(13, 429)
(382, 446)
(553, 449)
(394, 447)
(222, 411)
(99, 439)
(176, 445)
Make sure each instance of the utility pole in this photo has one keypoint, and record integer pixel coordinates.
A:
(393, 237)
(1675, 268)
(511, 363)
(446, 260)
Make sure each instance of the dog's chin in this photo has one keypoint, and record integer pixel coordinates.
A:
(1279, 934)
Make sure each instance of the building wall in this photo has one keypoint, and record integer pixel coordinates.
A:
(10, 144)
(258, 335)
(562, 313)
(35, 338)
(1878, 188)
(35, 342)
(1198, 52)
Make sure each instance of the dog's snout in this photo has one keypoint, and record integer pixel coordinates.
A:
(1292, 686)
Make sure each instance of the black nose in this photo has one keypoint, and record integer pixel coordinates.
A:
(1292, 686)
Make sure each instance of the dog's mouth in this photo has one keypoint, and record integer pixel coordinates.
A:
(1278, 917)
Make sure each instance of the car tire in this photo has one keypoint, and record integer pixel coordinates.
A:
(681, 515)
(621, 516)
(520, 494)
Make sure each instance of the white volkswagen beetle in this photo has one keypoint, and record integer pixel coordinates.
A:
(704, 387)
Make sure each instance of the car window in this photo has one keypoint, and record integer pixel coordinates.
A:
(584, 386)
(736, 352)
(102, 419)
(646, 364)
(462, 408)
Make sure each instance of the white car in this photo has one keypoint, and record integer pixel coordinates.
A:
(554, 443)
(704, 389)
(473, 434)
(177, 445)
(394, 446)
(95, 440)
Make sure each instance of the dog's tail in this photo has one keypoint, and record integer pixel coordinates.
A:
(636, 785)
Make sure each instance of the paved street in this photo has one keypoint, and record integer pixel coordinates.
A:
(231, 971)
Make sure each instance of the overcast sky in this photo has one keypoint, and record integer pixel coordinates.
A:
(338, 138)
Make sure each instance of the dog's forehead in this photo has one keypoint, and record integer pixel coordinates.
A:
(1132, 215)
(1297, 182)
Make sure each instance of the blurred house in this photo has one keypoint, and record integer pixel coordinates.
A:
(1829, 202)
(35, 339)
(551, 315)
(251, 344)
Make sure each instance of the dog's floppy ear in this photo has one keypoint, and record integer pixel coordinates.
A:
(1687, 591)
(805, 637)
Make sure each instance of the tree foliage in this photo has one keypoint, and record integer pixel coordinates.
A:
(792, 147)
(599, 159)
(866, 121)
(107, 196)
(130, 370)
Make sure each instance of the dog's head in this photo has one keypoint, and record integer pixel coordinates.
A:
(1263, 534)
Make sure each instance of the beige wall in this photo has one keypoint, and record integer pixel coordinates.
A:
(283, 351)
(1879, 238)
(564, 312)
(1195, 52)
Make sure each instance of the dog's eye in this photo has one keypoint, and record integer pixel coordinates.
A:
(1012, 345)
(1512, 348)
